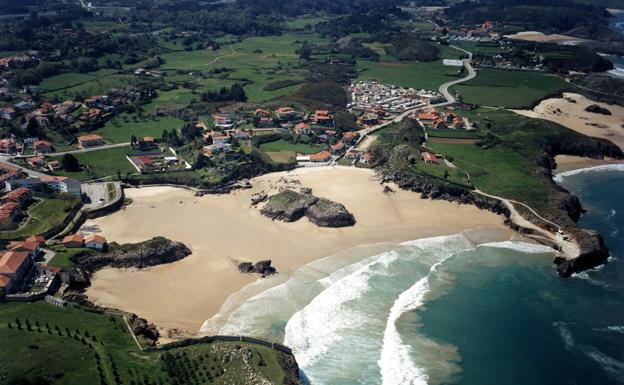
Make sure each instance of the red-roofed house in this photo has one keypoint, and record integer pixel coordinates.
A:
(322, 117)
(285, 113)
(74, 240)
(95, 241)
(43, 147)
(429, 157)
(40, 240)
(32, 248)
(350, 137)
(90, 140)
(302, 129)
(14, 265)
(322, 156)
(21, 196)
(337, 148)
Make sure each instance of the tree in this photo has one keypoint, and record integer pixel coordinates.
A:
(133, 140)
(70, 163)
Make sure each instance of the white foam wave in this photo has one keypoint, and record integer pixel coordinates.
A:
(395, 363)
(524, 247)
(565, 334)
(605, 167)
(311, 331)
(608, 363)
(613, 329)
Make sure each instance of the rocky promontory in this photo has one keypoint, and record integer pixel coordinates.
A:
(263, 267)
(290, 206)
(155, 251)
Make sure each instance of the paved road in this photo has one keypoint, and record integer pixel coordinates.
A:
(90, 149)
(444, 88)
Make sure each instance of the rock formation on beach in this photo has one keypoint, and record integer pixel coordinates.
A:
(261, 267)
(596, 109)
(290, 206)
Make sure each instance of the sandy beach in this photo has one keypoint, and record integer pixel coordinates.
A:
(221, 229)
(570, 162)
(543, 38)
(573, 115)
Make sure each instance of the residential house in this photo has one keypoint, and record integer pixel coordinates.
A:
(350, 137)
(322, 156)
(429, 157)
(146, 142)
(54, 165)
(240, 134)
(61, 184)
(428, 117)
(22, 196)
(73, 241)
(353, 155)
(367, 158)
(263, 117)
(95, 241)
(219, 138)
(302, 129)
(439, 124)
(24, 106)
(35, 161)
(9, 146)
(285, 114)
(40, 240)
(222, 120)
(66, 107)
(10, 211)
(337, 148)
(32, 248)
(14, 265)
(90, 140)
(7, 113)
(214, 149)
(322, 118)
(43, 147)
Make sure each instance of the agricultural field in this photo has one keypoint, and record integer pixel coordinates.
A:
(497, 171)
(42, 216)
(421, 75)
(102, 163)
(73, 346)
(122, 127)
(510, 89)
(281, 151)
(96, 86)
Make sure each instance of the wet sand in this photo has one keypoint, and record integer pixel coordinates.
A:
(221, 229)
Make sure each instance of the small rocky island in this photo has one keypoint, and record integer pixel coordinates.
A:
(290, 206)
(596, 109)
(263, 268)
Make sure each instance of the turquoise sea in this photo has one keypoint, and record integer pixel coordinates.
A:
(446, 310)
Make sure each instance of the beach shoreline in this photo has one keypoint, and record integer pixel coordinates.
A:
(224, 229)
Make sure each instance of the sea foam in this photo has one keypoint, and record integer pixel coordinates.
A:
(605, 167)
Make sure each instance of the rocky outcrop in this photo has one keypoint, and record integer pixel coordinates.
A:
(593, 253)
(596, 109)
(156, 251)
(290, 206)
(430, 190)
(326, 213)
(141, 328)
(263, 268)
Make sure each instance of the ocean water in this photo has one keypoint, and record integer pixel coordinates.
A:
(447, 311)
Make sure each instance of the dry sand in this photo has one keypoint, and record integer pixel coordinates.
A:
(570, 162)
(223, 228)
(543, 38)
(574, 116)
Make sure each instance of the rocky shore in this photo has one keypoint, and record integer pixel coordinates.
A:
(153, 252)
(290, 206)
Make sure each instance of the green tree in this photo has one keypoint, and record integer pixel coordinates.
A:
(70, 163)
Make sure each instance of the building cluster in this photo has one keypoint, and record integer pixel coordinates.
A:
(438, 120)
(336, 145)
(152, 159)
(18, 264)
(91, 241)
(375, 100)
(480, 33)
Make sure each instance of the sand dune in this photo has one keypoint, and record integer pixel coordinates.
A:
(223, 228)
(570, 111)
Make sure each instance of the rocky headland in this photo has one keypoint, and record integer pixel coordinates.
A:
(153, 252)
(290, 206)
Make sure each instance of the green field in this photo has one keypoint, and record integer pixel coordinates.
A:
(421, 75)
(102, 163)
(73, 79)
(498, 171)
(62, 257)
(97, 86)
(42, 216)
(281, 151)
(122, 127)
(73, 346)
(510, 89)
